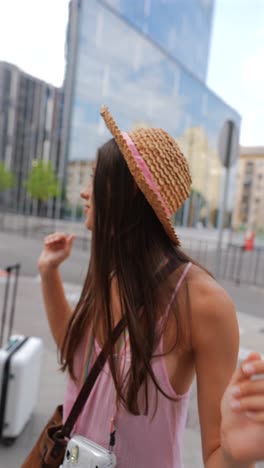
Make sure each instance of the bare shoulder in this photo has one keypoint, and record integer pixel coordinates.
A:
(205, 291)
(212, 309)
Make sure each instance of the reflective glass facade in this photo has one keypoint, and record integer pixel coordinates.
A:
(181, 27)
(141, 85)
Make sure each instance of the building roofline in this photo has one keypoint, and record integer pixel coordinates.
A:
(29, 75)
(251, 150)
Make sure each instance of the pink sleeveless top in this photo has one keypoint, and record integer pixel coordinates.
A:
(141, 441)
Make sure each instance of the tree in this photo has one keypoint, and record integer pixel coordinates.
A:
(7, 178)
(42, 182)
(197, 202)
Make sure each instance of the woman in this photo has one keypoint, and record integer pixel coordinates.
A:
(180, 325)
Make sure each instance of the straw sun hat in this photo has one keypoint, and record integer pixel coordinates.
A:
(158, 166)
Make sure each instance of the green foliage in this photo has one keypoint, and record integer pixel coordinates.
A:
(42, 182)
(7, 178)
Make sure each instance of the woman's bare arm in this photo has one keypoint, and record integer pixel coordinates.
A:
(215, 340)
(57, 307)
(57, 248)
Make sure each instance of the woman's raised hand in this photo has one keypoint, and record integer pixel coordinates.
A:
(242, 410)
(57, 247)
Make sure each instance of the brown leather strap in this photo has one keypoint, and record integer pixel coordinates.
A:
(91, 379)
(101, 360)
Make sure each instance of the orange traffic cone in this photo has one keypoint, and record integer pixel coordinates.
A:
(249, 242)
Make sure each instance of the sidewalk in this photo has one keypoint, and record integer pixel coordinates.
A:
(31, 320)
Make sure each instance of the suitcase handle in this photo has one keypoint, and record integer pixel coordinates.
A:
(9, 270)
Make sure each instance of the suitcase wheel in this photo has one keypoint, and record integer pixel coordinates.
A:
(8, 441)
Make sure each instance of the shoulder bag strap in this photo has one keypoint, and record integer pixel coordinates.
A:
(91, 379)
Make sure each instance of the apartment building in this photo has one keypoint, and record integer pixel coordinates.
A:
(249, 207)
(30, 128)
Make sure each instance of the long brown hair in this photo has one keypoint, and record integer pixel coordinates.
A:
(129, 240)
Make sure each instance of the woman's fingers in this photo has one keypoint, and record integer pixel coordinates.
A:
(247, 388)
(248, 403)
(242, 372)
(257, 416)
(55, 238)
(71, 239)
(253, 368)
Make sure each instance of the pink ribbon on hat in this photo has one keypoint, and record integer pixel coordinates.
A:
(145, 170)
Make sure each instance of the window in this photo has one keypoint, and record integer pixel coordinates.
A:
(249, 167)
(105, 83)
(99, 30)
(147, 7)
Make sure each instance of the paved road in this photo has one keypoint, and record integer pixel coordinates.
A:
(15, 248)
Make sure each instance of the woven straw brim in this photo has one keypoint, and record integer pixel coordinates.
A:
(166, 163)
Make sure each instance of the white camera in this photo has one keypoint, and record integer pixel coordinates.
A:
(83, 453)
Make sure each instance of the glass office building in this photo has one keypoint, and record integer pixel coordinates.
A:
(121, 53)
(182, 28)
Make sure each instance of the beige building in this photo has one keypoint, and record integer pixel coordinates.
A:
(207, 175)
(78, 176)
(249, 206)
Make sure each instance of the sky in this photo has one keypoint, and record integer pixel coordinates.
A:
(236, 66)
(43, 20)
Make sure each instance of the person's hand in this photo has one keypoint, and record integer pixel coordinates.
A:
(57, 247)
(242, 408)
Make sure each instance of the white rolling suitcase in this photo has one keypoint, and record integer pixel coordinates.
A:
(20, 365)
